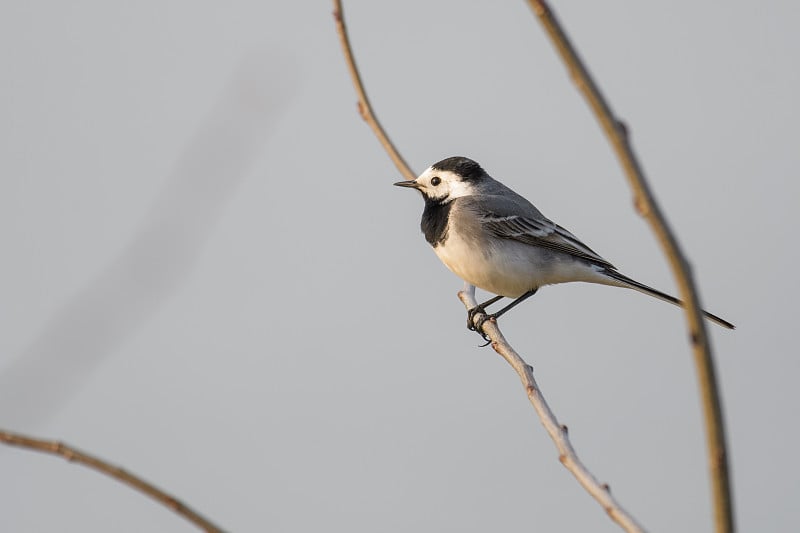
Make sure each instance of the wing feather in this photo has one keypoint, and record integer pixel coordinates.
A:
(541, 232)
(513, 217)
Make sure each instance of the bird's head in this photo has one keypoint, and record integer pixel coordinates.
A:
(448, 179)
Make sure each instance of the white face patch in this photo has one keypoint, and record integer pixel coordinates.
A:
(443, 185)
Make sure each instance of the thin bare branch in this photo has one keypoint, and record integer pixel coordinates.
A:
(364, 107)
(74, 455)
(647, 206)
(557, 432)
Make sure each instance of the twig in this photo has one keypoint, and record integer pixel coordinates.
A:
(557, 432)
(647, 206)
(364, 107)
(74, 455)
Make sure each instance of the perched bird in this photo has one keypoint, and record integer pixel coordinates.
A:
(494, 239)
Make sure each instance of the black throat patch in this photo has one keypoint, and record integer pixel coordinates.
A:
(434, 221)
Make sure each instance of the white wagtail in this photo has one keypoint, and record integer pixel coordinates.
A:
(494, 239)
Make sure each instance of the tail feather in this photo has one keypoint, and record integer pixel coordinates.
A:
(641, 287)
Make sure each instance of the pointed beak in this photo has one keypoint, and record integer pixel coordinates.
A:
(411, 184)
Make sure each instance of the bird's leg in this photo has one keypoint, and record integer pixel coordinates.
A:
(514, 303)
(480, 308)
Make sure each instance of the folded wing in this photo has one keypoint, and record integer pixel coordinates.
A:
(534, 229)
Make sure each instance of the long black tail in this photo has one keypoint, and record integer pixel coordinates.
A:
(641, 287)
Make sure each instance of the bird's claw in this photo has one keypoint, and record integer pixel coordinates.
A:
(471, 316)
(476, 325)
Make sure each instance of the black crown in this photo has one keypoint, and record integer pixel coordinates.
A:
(462, 166)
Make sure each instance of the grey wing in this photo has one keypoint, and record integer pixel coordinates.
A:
(516, 219)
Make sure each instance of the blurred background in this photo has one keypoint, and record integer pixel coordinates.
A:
(208, 279)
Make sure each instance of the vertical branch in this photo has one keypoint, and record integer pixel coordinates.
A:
(647, 206)
(74, 455)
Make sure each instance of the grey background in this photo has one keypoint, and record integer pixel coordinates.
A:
(208, 279)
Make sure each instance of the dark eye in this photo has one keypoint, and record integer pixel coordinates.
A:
(436, 180)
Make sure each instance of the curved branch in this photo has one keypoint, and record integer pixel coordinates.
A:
(364, 107)
(557, 432)
(647, 206)
(74, 455)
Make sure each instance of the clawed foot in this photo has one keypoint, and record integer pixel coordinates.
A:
(477, 325)
(471, 317)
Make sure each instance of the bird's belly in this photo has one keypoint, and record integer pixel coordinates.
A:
(504, 274)
(512, 270)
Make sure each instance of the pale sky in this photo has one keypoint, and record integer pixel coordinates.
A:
(210, 281)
